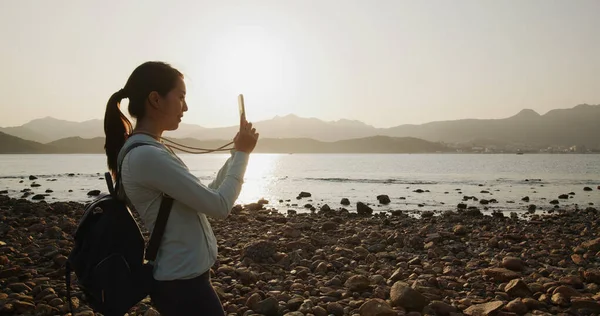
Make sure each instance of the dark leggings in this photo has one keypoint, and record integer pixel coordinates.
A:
(187, 297)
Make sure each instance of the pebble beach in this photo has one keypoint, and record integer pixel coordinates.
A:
(343, 260)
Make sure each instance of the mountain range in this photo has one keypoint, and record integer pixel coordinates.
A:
(560, 127)
(376, 144)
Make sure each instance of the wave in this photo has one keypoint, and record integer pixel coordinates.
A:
(382, 181)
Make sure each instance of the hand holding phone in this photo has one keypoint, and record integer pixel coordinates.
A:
(246, 138)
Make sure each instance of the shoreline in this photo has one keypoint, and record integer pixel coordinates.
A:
(342, 263)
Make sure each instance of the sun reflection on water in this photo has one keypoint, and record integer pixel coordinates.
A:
(260, 179)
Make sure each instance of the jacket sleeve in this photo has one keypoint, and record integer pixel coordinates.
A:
(158, 169)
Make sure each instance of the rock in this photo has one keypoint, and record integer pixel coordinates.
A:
(554, 202)
(363, 210)
(460, 230)
(484, 309)
(592, 245)
(376, 307)
(304, 195)
(253, 300)
(461, 206)
(500, 274)
(294, 303)
(325, 208)
(94, 193)
(441, 308)
(587, 189)
(404, 296)
(512, 263)
(291, 232)
(32, 178)
(383, 199)
(23, 307)
(577, 259)
(319, 311)
(517, 288)
(19, 287)
(525, 199)
(357, 283)
(306, 307)
(38, 197)
(560, 300)
(517, 306)
(329, 226)
(566, 292)
(268, 307)
(259, 251)
(54, 232)
(44, 309)
(531, 208)
(345, 201)
(335, 309)
(563, 196)
(592, 306)
(592, 276)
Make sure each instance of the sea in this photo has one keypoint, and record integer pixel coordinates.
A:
(413, 182)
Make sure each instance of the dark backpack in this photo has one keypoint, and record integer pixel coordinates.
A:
(108, 252)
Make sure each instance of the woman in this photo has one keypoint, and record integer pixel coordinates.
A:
(156, 94)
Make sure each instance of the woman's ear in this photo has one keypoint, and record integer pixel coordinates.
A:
(154, 99)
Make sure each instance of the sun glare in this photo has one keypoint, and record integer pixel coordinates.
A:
(247, 60)
(260, 179)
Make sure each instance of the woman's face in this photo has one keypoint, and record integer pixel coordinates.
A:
(173, 106)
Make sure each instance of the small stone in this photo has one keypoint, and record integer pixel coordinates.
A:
(19, 287)
(383, 199)
(460, 230)
(500, 274)
(592, 276)
(335, 309)
(484, 309)
(441, 308)
(357, 283)
(376, 307)
(404, 296)
(345, 202)
(518, 288)
(516, 306)
(592, 245)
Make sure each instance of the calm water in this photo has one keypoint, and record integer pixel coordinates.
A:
(359, 177)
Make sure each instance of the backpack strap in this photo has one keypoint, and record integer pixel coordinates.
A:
(159, 227)
(163, 212)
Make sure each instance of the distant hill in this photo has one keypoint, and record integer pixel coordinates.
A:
(376, 144)
(13, 145)
(566, 127)
(563, 127)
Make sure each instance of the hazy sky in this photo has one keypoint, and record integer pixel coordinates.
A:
(382, 62)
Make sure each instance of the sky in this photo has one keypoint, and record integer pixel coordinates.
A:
(384, 62)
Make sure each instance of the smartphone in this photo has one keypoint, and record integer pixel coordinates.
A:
(241, 105)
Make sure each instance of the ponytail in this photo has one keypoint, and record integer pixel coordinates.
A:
(116, 129)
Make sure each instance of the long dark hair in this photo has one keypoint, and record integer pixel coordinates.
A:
(147, 77)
